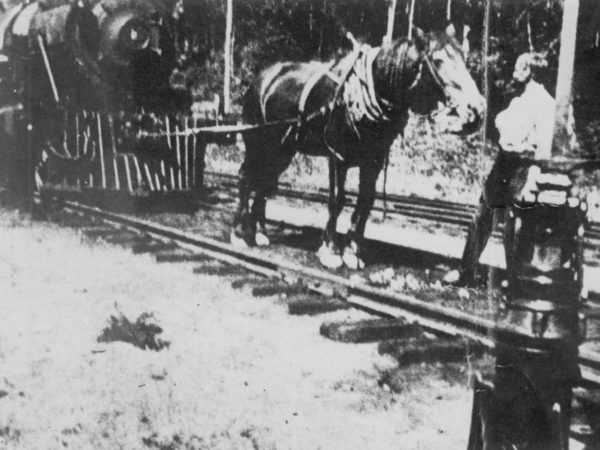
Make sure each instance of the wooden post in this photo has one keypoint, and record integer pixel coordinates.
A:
(87, 138)
(194, 152)
(149, 177)
(138, 172)
(178, 155)
(92, 177)
(228, 58)
(199, 163)
(113, 145)
(42, 47)
(566, 62)
(171, 176)
(128, 173)
(186, 151)
(387, 39)
(101, 150)
(66, 140)
(77, 144)
(411, 16)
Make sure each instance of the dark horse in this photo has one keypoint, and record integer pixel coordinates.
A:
(350, 111)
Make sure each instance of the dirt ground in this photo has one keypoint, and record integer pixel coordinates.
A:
(239, 372)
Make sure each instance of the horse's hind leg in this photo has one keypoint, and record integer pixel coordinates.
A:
(329, 253)
(259, 217)
(242, 234)
(276, 161)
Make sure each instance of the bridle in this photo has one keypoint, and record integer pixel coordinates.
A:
(449, 103)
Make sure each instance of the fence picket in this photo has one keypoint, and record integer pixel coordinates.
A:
(101, 150)
(178, 158)
(113, 146)
(137, 171)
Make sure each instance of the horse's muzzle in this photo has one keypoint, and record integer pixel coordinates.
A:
(465, 118)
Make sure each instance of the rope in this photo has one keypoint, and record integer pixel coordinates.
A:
(359, 94)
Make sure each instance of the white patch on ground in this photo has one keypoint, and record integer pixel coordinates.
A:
(240, 372)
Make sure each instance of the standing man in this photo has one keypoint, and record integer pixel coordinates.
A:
(525, 129)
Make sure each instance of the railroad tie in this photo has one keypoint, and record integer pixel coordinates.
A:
(370, 330)
(409, 351)
(312, 304)
(153, 247)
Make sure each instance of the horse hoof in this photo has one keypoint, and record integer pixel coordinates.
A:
(237, 242)
(452, 278)
(351, 261)
(262, 240)
(329, 257)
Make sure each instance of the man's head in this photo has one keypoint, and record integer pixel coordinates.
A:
(527, 64)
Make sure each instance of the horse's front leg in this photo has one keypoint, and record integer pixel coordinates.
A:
(352, 255)
(329, 253)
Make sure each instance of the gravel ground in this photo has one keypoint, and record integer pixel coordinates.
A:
(238, 373)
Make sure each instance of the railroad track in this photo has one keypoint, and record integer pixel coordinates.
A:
(438, 211)
(277, 276)
(441, 320)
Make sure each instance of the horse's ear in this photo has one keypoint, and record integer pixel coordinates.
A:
(419, 38)
(451, 31)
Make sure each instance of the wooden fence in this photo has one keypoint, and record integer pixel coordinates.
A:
(102, 150)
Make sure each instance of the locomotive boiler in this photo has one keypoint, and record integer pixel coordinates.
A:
(75, 75)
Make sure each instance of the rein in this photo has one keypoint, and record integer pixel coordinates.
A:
(426, 60)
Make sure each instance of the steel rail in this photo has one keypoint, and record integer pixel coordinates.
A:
(439, 319)
(439, 211)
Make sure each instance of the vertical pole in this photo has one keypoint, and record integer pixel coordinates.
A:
(411, 16)
(178, 154)
(228, 58)
(86, 142)
(138, 172)
(163, 164)
(449, 11)
(529, 37)
(186, 151)
(128, 173)
(485, 50)
(28, 187)
(101, 150)
(66, 140)
(200, 165)
(149, 177)
(92, 177)
(322, 28)
(194, 153)
(566, 62)
(77, 143)
(387, 39)
(113, 144)
(42, 47)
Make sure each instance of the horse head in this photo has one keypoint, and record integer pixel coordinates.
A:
(433, 70)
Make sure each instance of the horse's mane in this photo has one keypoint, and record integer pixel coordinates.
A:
(390, 66)
(442, 40)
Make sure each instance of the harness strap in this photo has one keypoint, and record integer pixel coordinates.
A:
(308, 87)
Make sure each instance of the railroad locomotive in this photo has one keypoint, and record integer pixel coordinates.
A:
(80, 77)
